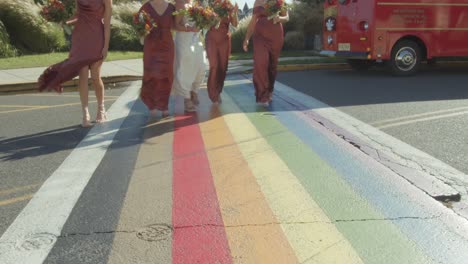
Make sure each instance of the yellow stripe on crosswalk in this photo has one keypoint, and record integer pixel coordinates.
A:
(252, 230)
(309, 231)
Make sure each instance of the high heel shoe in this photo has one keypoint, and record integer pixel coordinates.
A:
(218, 102)
(86, 122)
(194, 98)
(263, 104)
(189, 106)
(101, 114)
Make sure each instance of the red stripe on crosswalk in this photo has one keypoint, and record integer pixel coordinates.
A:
(199, 235)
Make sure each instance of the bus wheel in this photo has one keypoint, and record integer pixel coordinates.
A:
(360, 65)
(406, 58)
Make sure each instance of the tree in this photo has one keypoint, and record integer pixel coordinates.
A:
(246, 8)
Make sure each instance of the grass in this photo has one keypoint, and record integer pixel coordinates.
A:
(42, 60)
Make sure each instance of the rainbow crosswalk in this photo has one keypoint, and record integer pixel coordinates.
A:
(250, 185)
(237, 183)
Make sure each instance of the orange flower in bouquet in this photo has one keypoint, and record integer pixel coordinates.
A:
(275, 7)
(202, 16)
(222, 7)
(143, 24)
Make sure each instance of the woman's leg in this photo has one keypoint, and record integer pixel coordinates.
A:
(212, 82)
(83, 89)
(99, 91)
(261, 77)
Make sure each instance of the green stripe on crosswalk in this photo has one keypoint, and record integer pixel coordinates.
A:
(375, 239)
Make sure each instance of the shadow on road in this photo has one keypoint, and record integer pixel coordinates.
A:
(347, 88)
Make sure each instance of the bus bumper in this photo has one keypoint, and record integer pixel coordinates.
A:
(345, 54)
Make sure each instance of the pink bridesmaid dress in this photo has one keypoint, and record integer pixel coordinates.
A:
(158, 60)
(218, 49)
(267, 44)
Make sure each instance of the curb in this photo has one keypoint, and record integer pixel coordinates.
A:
(300, 67)
(29, 87)
(320, 66)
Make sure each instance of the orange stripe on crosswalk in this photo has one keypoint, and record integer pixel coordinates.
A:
(253, 233)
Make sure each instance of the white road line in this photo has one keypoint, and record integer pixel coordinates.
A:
(421, 120)
(34, 232)
(424, 171)
(390, 120)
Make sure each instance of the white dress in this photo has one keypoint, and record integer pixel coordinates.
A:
(190, 63)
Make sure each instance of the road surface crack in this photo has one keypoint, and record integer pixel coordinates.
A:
(401, 218)
(67, 235)
(211, 225)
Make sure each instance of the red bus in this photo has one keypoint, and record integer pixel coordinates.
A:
(400, 33)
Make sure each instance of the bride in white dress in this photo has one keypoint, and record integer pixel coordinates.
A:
(189, 63)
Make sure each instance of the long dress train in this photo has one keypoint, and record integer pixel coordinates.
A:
(86, 46)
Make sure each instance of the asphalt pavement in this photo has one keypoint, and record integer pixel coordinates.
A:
(239, 183)
(428, 111)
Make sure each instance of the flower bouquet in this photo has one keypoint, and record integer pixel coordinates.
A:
(223, 8)
(143, 24)
(58, 11)
(274, 8)
(203, 17)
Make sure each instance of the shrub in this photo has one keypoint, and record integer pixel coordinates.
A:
(124, 11)
(305, 18)
(294, 40)
(123, 37)
(238, 35)
(28, 31)
(6, 49)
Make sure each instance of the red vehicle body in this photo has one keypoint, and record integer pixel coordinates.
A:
(400, 32)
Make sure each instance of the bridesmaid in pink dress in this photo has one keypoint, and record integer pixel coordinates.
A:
(90, 42)
(267, 43)
(218, 49)
(158, 57)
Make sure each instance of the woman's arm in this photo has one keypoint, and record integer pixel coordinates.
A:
(251, 27)
(233, 16)
(250, 30)
(282, 18)
(74, 18)
(107, 21)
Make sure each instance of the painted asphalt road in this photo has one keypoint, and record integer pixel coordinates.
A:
(37, 132)
(233, 183)
(428, 111)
